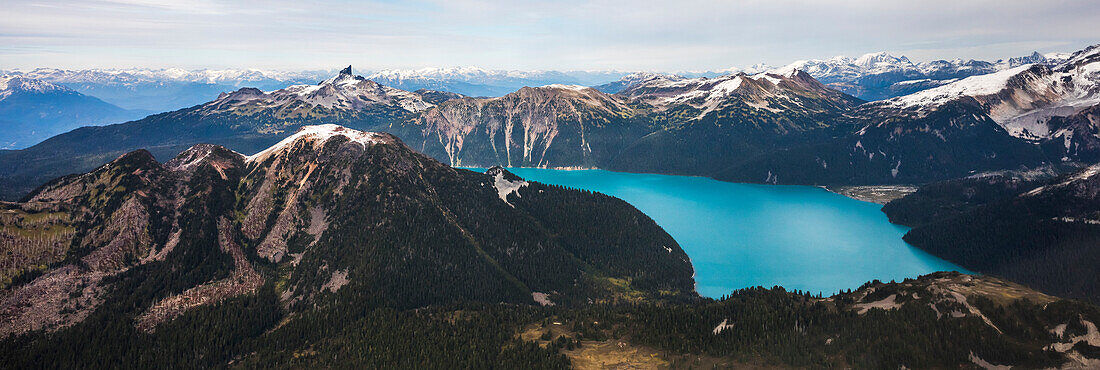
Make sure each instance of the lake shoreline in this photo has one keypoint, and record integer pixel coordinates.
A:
(740, 235)
(878, 194)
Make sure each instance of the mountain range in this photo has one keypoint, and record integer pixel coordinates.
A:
(475, 81)
(871, 76)
(768, 127)
(878, 76)
(162, 90)
(33, 110)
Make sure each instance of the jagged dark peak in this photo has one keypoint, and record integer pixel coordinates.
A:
(801, 75)
(346, 77)
(344, 92)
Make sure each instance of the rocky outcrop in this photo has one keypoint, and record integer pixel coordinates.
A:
(555, 125)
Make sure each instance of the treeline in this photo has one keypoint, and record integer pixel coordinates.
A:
(762, 327)
(1044, 240)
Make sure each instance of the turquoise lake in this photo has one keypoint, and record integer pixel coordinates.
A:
(743, 235)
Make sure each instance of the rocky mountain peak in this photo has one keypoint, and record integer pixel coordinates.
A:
(346, 71)
(872, 60)
(243, 94)
(708, 94)
(10, 84)
(1081, 58)
(314, 137)
(215, 155)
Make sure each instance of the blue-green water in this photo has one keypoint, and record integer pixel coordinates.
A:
(742, 235)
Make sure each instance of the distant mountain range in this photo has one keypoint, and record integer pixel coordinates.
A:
(880, 75)
(33, 110)
(872, 76)
(162, 90)
(474, 81)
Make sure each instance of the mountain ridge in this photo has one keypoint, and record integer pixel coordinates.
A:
(325, 211)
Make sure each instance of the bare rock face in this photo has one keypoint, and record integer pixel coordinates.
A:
(554, 125)
(86, 228)
(60, 298)
(1075, 137)
(244, 279)
(89, 227)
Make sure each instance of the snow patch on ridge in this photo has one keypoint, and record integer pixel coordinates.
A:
(567, 87)
(541, 298)
(721, 327)
(317, 135)
(505, 187)
(970, 86)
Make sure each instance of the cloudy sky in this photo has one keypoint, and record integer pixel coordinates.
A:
(668, 35)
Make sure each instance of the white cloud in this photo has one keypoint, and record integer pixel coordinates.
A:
(571, 34)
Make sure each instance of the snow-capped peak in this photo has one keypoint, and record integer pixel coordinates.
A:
(28, 84)
(842, 68)
(315, 136)
(437, 73)
(235, 77)
(760, 90)
(970, 86)
(10, 85)
(1089, 55)
(873, 60)
(567, 87)
(1022, 99)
